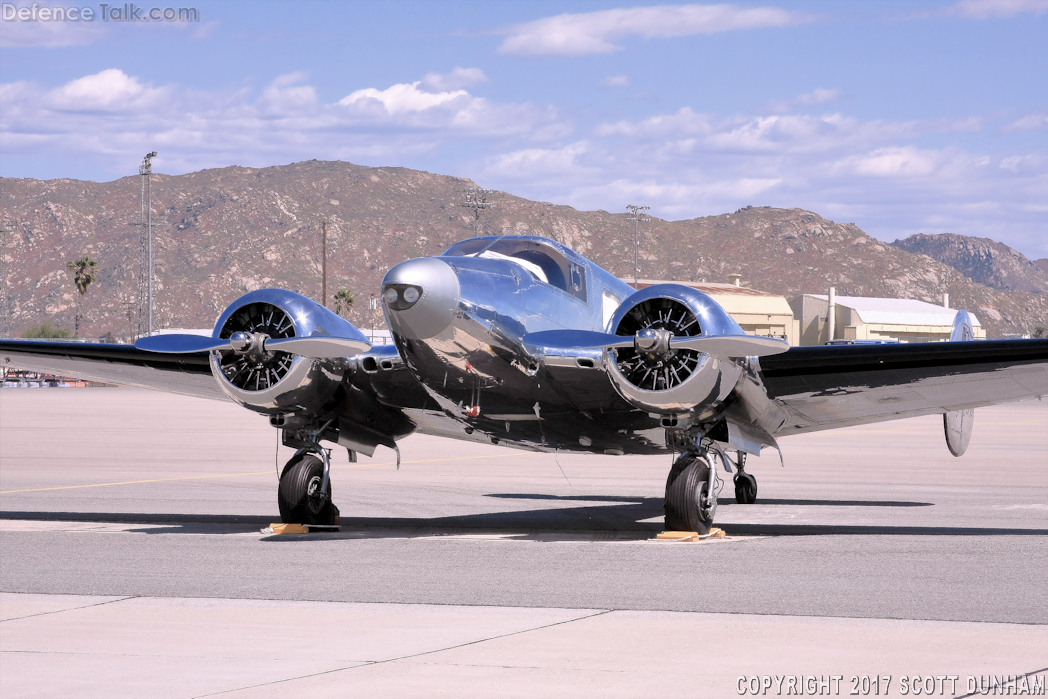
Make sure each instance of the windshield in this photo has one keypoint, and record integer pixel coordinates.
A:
(545, 262)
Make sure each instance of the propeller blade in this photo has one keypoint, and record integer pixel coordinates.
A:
(577, 339)
(732, 345)
(180, 344)
(319, 347)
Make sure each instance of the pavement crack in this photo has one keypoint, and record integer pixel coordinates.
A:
(70, 609)
(373, 663)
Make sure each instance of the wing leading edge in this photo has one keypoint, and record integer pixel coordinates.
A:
(826, 387)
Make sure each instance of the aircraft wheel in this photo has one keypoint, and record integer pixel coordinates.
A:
(686, 489)
(745, 488)
(299, 495)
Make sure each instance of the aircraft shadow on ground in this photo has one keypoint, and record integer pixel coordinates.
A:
(720, 500)
(620, 520)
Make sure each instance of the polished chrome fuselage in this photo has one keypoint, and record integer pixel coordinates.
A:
(463, 341)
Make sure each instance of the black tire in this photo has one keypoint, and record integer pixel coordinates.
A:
(745, 489)
(298, 494)
(686, 487)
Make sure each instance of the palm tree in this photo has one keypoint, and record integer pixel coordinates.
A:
(344, 302)
(83, 271)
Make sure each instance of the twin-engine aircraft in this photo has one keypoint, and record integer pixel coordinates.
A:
(518, 340)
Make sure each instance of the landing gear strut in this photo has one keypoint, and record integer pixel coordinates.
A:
(691, 498)
(304, 495)
(745, 483)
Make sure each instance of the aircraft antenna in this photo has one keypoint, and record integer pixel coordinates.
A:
(476, 201)
(636, 214)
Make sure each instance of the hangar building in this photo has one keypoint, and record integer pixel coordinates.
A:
(863, 318)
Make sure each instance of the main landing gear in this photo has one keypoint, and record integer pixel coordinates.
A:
(304, 495)
(692, 487)
(691, 496)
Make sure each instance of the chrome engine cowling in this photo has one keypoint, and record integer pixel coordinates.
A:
(269, 381)
(671, 381)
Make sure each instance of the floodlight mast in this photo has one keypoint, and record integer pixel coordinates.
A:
(146, 171)
(476, 201)
(636, 215)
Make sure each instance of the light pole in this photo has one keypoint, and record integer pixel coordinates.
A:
(476, 201)
(146, 170)
(636, 216)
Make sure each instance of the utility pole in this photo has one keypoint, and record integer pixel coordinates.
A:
(476, 201)
(636, 215)
(129, 310)
(146, 171)
(5, 310)
(323, 264)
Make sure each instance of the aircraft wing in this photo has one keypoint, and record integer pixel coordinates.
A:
(824, 387)
(188, 374)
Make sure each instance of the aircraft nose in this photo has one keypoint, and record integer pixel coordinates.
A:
(421, 297)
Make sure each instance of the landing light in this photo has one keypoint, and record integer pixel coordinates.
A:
(399, 297)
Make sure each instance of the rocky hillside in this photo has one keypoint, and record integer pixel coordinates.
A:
(227, 231)
(980, 259)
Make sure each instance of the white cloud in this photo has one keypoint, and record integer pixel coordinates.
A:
(17, 33)
(986, 9)
(816, 97)
(455, 80)
(404, 97)
(110, 118)
(594, 32)
(681, 123)
(1037, 121)
(616, 81)
(110, 89)
(891, 162)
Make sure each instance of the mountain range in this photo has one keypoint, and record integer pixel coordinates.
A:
(222, 232)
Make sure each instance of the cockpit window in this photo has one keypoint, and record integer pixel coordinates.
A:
(546, 263)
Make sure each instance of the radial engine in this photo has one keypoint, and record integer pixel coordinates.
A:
(657, 377)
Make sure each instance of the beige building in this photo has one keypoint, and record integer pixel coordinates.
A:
(758, 312)
(863, 318)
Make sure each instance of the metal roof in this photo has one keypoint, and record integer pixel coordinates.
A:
(897, 311)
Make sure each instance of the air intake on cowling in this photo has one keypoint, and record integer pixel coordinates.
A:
(254, 370)
(660, 368)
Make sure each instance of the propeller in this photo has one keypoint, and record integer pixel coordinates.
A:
(322, 347)
(653, 340)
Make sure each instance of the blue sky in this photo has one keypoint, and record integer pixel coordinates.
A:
(902, 117)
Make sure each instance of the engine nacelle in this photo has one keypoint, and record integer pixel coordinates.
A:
(669, 381)
(272, 382)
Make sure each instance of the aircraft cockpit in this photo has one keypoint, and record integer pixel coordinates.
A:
(544, 262)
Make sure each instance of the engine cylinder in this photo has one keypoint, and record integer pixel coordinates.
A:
(269, 381)
(660, 379)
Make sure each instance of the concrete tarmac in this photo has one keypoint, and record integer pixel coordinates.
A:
(133, 563)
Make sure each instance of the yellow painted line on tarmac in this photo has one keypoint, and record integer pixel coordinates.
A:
(256, 473)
